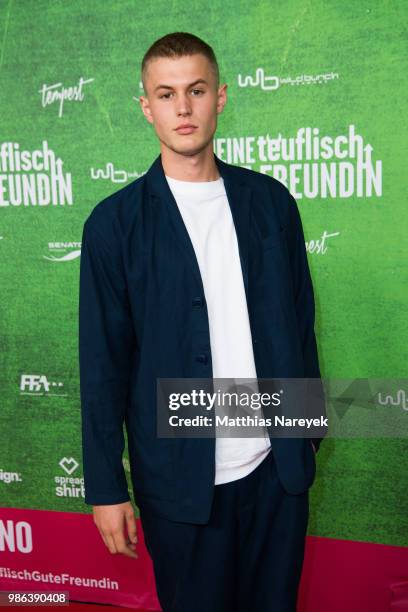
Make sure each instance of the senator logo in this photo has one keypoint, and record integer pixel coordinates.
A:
(64, 251)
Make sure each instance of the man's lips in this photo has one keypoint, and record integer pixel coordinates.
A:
(188, 129)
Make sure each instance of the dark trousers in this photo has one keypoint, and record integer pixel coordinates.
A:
(248, 557)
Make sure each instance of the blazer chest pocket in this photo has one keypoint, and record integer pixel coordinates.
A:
(273, 240)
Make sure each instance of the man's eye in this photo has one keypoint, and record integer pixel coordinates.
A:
(167, 95)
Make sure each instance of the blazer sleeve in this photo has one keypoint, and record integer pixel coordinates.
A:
(305, 307)
(106, 346)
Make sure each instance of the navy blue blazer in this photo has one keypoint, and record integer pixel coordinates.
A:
(143, 316)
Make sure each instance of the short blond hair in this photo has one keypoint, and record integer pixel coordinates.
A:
(179, 44)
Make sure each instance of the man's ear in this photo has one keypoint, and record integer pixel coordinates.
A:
(222, 98)
(144, 104)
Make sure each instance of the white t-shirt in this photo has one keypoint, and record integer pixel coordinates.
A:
(207, 216)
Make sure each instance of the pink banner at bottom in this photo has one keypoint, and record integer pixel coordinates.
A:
(61, 551)
(349, 576)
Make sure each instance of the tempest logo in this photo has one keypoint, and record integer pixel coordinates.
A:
(58, 93)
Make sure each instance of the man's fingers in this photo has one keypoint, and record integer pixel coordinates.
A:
(104, 539)
(131, 526)
(110, 542)
(116, 543)
(110, 521)
(121, 545)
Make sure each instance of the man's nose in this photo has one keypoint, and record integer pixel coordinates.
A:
(183, 105)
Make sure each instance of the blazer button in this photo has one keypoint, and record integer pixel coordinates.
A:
(202, 358)
(198, 302)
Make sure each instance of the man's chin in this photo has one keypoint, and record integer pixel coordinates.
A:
(187, 149)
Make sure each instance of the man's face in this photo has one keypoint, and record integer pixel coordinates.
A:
(180, 91)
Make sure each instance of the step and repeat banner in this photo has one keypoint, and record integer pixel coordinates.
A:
(316, 99)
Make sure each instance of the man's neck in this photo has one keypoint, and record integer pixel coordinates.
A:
(193, 168)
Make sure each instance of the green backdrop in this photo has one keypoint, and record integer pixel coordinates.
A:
(103, 139)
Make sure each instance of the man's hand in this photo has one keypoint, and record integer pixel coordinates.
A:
(111, 521)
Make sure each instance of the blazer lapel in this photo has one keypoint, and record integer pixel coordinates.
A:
(239, 197)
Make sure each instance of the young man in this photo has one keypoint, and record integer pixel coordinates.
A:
(198, 269)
